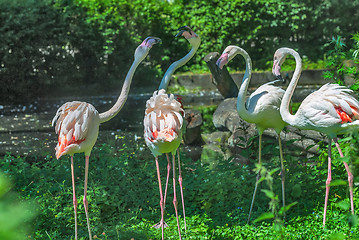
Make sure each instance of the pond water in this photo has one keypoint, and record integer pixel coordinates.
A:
(26, 129)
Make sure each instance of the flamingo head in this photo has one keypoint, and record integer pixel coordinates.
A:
(228, 54)
(190, 35)
(222, 60)
(279, 58)
(143, 49)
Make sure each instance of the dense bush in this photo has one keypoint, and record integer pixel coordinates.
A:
(30, 45)
(259, 26)
(55, 45)
(40, 46)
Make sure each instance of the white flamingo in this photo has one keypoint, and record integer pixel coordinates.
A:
(77, 124)
(261, 108)
(163, 126)
(330, 110)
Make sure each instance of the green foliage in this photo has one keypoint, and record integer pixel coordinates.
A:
(124, 199)
(53, 46)
(180, 90)
(274, 200)
(15, 215)
(306, 64)
(30, 42)
(207, 118)
(356, 46)
(335, 59)
(338, 61)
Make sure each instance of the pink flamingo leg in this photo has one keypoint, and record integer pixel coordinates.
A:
(168, 177)
(258, 177)
(329, 179)
(350, 175)
(161, 223)
(180, 183)
(174, 194)
(282, 173)
(74, 200)
(85, 196)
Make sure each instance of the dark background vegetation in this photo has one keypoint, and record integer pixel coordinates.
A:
(56, 45)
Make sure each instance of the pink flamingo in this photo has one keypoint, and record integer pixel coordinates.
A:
(77, 124)
(261, 108)
(330, 110)
(163, 126)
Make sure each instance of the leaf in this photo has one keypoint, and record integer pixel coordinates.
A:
(296, 190)
(349, 138)
(353, 220)
(269, 193)
(274, 170)
(343, 205)
(337, 236)
(337, 183)
(264, 216)
(287, 207)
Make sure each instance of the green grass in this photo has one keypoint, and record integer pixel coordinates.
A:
(124, 200)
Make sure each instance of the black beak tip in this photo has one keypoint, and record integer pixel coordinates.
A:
(182, 28)
(279, 77)
(179, 33)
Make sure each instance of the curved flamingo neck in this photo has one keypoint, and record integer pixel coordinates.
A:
(179, 63)
(241, 99)
(284, 106)
(106, 116)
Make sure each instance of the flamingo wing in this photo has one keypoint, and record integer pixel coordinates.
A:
(73, 120)
(330, 105)
(264, 97)
(163, 122)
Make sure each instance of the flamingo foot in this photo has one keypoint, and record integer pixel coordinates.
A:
(159, 225)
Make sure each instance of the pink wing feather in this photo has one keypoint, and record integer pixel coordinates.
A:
(163, 120)
(72, 125)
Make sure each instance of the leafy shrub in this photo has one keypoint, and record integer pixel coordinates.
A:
(30, 42)
(15, 215)
(52, 46)
(124, 199)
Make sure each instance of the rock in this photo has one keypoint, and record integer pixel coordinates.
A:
(240, 137)
(217, 137)
(239, 159)
(304, 139)
(194, 152)
(221, 77)
(194, 121)
(226, 117)
(211, 154)
(216, 148)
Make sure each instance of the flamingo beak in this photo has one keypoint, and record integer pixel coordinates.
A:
(279, 77)
(276, 70)
(184, 29)
(222, 60)
(180, 33)
(150, 41)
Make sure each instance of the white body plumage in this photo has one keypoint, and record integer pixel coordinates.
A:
(77, 124)
(263, 107)
(163, 123)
